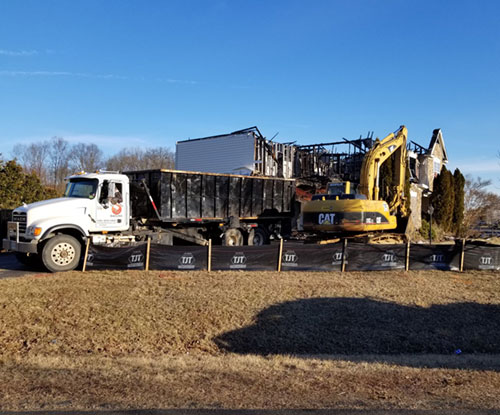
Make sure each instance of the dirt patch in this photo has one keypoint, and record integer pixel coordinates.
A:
(246, 339)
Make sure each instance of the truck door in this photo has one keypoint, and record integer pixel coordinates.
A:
(112, 209)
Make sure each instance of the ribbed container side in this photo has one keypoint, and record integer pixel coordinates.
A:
(230, 154)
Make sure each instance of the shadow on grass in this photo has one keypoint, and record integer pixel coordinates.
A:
(263, 412)
(181, 411)
(357, 329)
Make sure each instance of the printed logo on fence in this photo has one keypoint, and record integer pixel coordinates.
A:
(290, 259)
(90, 259)
(186, 261)
(135, 260)
(486, 262)
(238, 261)
(437, 259)
(337, 258)
(389, 259)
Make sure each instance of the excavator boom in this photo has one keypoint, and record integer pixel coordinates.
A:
(394, 143)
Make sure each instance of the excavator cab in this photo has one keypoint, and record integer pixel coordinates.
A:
(339, 191)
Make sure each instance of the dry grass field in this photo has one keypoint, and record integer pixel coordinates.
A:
(118, 340)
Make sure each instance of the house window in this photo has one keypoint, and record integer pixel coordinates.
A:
(437, 167)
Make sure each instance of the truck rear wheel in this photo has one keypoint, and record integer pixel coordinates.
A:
(258, 236)
(61, 253)
(233, 237)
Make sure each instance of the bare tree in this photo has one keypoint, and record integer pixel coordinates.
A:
(33, 158)
(159, 158)
(86, 157)
(478, 202)
(59, 155)
(138, 159)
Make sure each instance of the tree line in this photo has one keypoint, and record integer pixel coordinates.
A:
(53, 160)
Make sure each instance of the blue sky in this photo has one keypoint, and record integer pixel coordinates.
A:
(134, 73)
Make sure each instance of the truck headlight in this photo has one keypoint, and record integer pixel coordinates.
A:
(35, 231)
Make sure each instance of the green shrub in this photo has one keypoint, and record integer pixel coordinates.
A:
(424, 230)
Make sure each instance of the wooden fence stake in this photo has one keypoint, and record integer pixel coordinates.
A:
(86, 254)
(148, 250)
(209, 255)
(407, 262)
(462, 253)
(280, 259)
(344, 250)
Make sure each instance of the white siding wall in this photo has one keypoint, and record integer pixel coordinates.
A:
(232, 154)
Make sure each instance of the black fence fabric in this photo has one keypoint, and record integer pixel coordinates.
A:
(178, 257)
(483, 257)
(296, 257)
(374, 257)
(305, 257)
(440, 257)
(126, 257)
(251, 258)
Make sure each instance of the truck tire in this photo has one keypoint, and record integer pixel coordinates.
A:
(233, 237)
(258, 237)
(61, 253)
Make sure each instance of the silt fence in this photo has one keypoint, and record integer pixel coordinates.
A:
(294, 256)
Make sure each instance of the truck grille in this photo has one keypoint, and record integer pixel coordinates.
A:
(21, 218)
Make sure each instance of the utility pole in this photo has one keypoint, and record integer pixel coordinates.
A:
(431, 211)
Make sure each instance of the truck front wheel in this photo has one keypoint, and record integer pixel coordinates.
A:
(233, 237)
(61, 253)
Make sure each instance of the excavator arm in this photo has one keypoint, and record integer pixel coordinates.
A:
(394, 143)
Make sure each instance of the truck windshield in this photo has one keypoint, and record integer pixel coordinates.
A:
(85, 188)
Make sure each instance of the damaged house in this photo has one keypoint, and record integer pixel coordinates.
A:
(248, 152)
(425, 164)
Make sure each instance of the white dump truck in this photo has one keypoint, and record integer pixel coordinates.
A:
(164, 205)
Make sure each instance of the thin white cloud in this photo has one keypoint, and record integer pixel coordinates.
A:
(176, 81)
(88, 75)
(7, 52)
(62, 73)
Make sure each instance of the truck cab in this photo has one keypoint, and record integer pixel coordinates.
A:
(56, 229)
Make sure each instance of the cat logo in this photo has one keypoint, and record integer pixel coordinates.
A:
(136, 259)
(186, 261)
(290, 259)
(238, 261)
(326, 218)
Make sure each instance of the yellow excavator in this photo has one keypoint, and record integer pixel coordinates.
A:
(343, 210)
